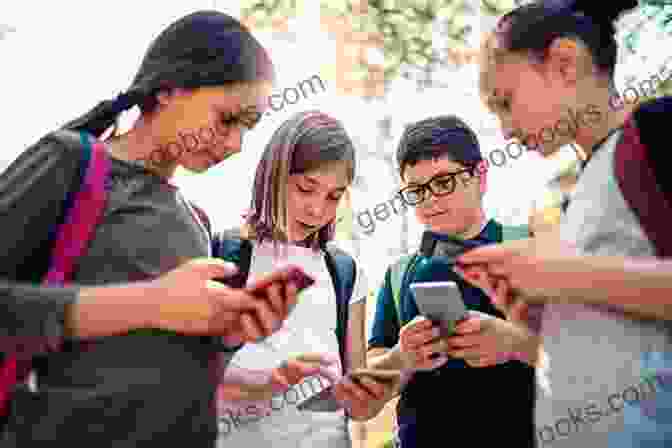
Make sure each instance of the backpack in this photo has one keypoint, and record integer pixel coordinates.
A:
(638, 159)
(83, 207)
(230, 246)
(402, 271)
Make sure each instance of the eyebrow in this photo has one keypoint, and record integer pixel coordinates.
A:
(439, 174)
(315, 181)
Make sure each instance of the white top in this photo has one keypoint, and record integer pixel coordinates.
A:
(600, 361)
(311, 327)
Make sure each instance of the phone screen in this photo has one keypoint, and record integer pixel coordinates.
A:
(440, 302)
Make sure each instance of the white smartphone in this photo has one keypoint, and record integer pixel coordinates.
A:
(440, 302)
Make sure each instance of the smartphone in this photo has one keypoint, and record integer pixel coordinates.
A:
(296, 275)
(441, 302)
(300, 278)
(322, 402)
(388, 377)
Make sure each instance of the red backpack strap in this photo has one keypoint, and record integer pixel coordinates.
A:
(72, 237)
(640, 188)
(83, 216)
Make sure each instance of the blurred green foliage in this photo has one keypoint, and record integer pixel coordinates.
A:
(405, 29)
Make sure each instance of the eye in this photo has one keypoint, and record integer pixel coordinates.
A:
(337, 197)
(505, 104)
(228, 119)
(444, 182)
(303, 190)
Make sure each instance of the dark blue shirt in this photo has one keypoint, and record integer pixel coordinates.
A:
(455, 397)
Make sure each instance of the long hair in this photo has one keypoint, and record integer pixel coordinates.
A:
(305, 142)
(205, 48)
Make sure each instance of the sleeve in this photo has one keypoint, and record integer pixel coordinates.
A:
(32, 194)
(32, 191)
(360, 291)
(32, 315)
(385, 329)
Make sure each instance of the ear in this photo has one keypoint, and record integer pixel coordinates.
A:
(165, 96)
(563, 59)
(482, 170)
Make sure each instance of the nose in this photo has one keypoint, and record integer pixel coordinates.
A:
(315, 209)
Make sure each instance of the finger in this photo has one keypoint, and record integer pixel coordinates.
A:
(467, 354)
(502, 297)
(229, 299)
(372, 387)
(279, 378)
(268, 320)
(519, 311)
(355, 390)
(304, 368)
(251, 329)
(417, 325)
(279, 276)
(438, 347)
(492, 253)
(209, 268)
(460, 342)
(291, 298)
(416, 340)
(274, 297)
(470, 325)
(324, 359)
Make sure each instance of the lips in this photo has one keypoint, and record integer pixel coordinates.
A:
(433, 215)
(307, 226)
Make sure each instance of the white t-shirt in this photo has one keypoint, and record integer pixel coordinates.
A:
(594, 389)
(310, 328)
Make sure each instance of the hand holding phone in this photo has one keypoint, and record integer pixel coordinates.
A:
(287, 274)
(440, 302)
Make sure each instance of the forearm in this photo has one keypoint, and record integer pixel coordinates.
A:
(642, 287)
(386, 359)
(110, 310)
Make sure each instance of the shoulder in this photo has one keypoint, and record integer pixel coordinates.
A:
(60, 150)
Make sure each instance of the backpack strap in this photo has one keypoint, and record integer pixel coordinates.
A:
(83, 207)
(83, 212)
(231, 246)
(510, 233)
(398, 280)
(637, 181)
(343, 271)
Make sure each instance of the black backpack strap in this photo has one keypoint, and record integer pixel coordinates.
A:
(229, 245)
(343, 271)
(640, 181)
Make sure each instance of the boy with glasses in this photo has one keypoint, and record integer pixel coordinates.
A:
(475, 378)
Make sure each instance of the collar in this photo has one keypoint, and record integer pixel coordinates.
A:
(434, 243)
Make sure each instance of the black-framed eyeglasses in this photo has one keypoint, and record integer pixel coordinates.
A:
(439, 185)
